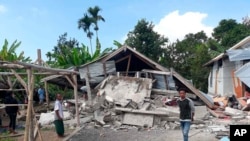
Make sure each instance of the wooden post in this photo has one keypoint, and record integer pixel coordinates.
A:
(128, 65)
(47, 94)
(39, 57)
(28, 115)
(31, 88)
(76, 99)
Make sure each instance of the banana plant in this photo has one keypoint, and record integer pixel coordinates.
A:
(9, 53)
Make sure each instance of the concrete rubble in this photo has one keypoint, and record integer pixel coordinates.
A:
(124, 103)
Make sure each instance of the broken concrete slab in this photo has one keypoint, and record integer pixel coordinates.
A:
(48, 118)
(233, 112)
(82, 120)
(170, 111)
(127, 88)
(98, 117)
(138, 119)
(145, 106)
(200, 112)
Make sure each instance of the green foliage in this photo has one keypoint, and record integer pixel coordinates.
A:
(146, 40)
(91, 17)
(8, 53)
(229, 32)
(188, 56)
(117, 44)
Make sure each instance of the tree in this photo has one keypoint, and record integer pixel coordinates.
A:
(85, 23)
(229, 32)
(188, 56)
(68, 53)
(94, 13)
(146, 40)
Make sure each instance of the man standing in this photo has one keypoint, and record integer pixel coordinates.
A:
(41, 94)
(12, 111)
(187, 110)
(59, 116)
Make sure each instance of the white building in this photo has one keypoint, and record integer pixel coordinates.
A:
(230, 71)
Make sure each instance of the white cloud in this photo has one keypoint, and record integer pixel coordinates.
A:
(175, 26)
(2, 9)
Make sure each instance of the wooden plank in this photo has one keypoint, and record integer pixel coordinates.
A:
(20, 79)
(76, 99)
(121, 59)
(128, 65)
(156, 72)
(28, 115)
(12, 90)
(193, 89)
(97, 69)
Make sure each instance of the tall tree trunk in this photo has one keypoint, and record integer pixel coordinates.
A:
(91, 46)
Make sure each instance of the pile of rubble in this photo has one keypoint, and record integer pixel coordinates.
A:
(127, 102)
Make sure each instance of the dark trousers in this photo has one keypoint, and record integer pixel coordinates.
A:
(12, 117)
(59, 127)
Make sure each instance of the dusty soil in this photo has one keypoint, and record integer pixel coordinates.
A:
(106, 134)
(91, 133)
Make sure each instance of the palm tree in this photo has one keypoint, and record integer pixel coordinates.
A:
(94, 13)
(85, 23)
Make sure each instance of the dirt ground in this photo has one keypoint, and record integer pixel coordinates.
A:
(107, 134)
(91, 133)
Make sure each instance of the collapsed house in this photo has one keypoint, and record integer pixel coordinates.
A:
(229, 74)
(126, 61)
(130, 89)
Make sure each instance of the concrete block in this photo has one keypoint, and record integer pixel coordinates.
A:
(138, 119)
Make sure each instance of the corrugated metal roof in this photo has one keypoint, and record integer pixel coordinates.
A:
(238, 54)
(222, 55)
(243, 74)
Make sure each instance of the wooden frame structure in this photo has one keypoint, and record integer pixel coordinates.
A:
(28, 86)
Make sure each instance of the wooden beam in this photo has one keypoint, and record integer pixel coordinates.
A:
(14, 90)
(36, 67)
(128, 65)
(119, 60)
(31, 88)
(76, 99)
(37, 73)
(70, 81)
(47, 94)
(193, 89)
(20, 80)
(11, 66)
(9, 82)
(28, 115)
(156, 72)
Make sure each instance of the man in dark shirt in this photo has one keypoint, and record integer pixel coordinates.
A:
(11, 111)
(186, 107)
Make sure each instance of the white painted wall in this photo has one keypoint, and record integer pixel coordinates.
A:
(228, 66)
(212, 79)
(224, 79)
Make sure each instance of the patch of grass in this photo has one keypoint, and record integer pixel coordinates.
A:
(4, 138)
